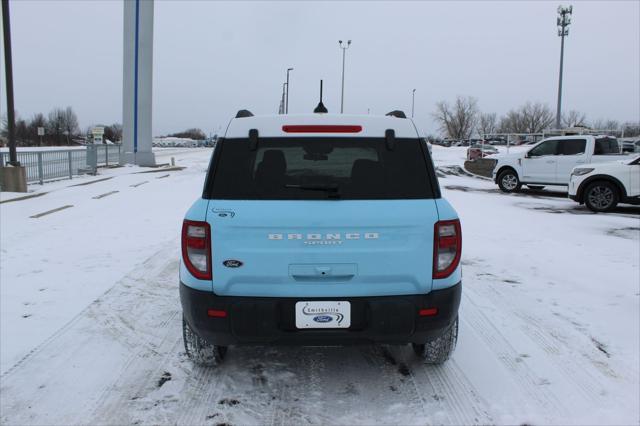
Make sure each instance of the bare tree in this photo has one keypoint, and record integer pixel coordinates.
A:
(113, 132)
(70, 123)
(601, 124)
(193, 133)
(38, 120)
(529, 118)
(116, 129)
(630, 129)
(22, 132)
(487, 124)
(56, 125)
(611, 125)
(574, 119)
(457, 121)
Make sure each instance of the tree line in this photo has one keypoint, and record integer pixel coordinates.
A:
(60, 128)
(193, 133)
(462, 118)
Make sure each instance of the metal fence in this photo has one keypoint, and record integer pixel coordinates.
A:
(107, 155)
(48, 165)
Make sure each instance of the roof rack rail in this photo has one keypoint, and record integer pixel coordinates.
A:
(396, 113)
(244, 113)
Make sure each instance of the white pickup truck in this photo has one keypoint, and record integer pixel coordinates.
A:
(550, 161)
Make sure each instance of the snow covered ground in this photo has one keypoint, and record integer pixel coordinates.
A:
(90, 317)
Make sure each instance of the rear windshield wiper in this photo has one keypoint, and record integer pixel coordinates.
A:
(333, 190)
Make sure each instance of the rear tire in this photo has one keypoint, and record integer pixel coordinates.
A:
(508, 181)
(601, 196)
(199, 350)
(438, 350)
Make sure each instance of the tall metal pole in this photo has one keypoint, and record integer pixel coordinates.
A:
(413, 101)
(344, 50)
(286, 105)
(8, 68)
(559, 107)
(563, 21)
(282, 107)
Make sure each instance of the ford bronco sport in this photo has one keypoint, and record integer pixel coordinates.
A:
(320, 229)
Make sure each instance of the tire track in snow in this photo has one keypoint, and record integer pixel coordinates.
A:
(382, 380)
(137, 273)
(447, 397)
(575, 366)
(498, 343)
(569, 352)
(78, 359)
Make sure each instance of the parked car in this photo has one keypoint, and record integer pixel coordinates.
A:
(479, 151)
(602, 186)
(550, 161)
(630, 145)
(320, 229)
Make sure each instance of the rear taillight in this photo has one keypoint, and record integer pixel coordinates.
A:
(446, 248)
(196, 248)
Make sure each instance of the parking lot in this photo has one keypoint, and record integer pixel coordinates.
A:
(549, 330)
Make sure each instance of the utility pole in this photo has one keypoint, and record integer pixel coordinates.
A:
(8, 69)
(13, 178)
(563, 21)
(286, 105)
(344, 50)
(282, 107)
(413, 101)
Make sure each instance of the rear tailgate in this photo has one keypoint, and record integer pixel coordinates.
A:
(322, 248)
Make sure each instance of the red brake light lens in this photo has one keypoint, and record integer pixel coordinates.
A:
(321, 128)
(196, 248)
(428, 312)
(447, 248)
(216, 313)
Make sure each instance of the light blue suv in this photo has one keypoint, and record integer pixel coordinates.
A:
(320, 229)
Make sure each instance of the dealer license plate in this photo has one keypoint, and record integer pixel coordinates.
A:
(316, 314)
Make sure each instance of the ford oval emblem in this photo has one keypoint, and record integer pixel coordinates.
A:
(323, 318)
(232, 263)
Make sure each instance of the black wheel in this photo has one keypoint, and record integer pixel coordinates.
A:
(438, 350)
(508, 181)
(601, 196)
(199, 350)
(535, 187)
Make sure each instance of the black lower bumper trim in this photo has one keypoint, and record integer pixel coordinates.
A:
(271, 320)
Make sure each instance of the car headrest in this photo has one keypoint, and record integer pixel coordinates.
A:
(273, 161)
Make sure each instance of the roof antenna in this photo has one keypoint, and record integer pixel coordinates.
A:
(320, 108)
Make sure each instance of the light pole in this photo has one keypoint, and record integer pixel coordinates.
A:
(344, 50)
(413, 101)
(286, 105)
(564, 19)
(282, 105)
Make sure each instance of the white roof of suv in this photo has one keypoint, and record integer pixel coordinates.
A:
(318, 125)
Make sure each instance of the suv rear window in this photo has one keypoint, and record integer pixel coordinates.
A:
(606, 146)
(320, 168)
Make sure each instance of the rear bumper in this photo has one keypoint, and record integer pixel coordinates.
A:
(271, 320)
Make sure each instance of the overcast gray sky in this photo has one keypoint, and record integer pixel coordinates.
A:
(213, 58)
